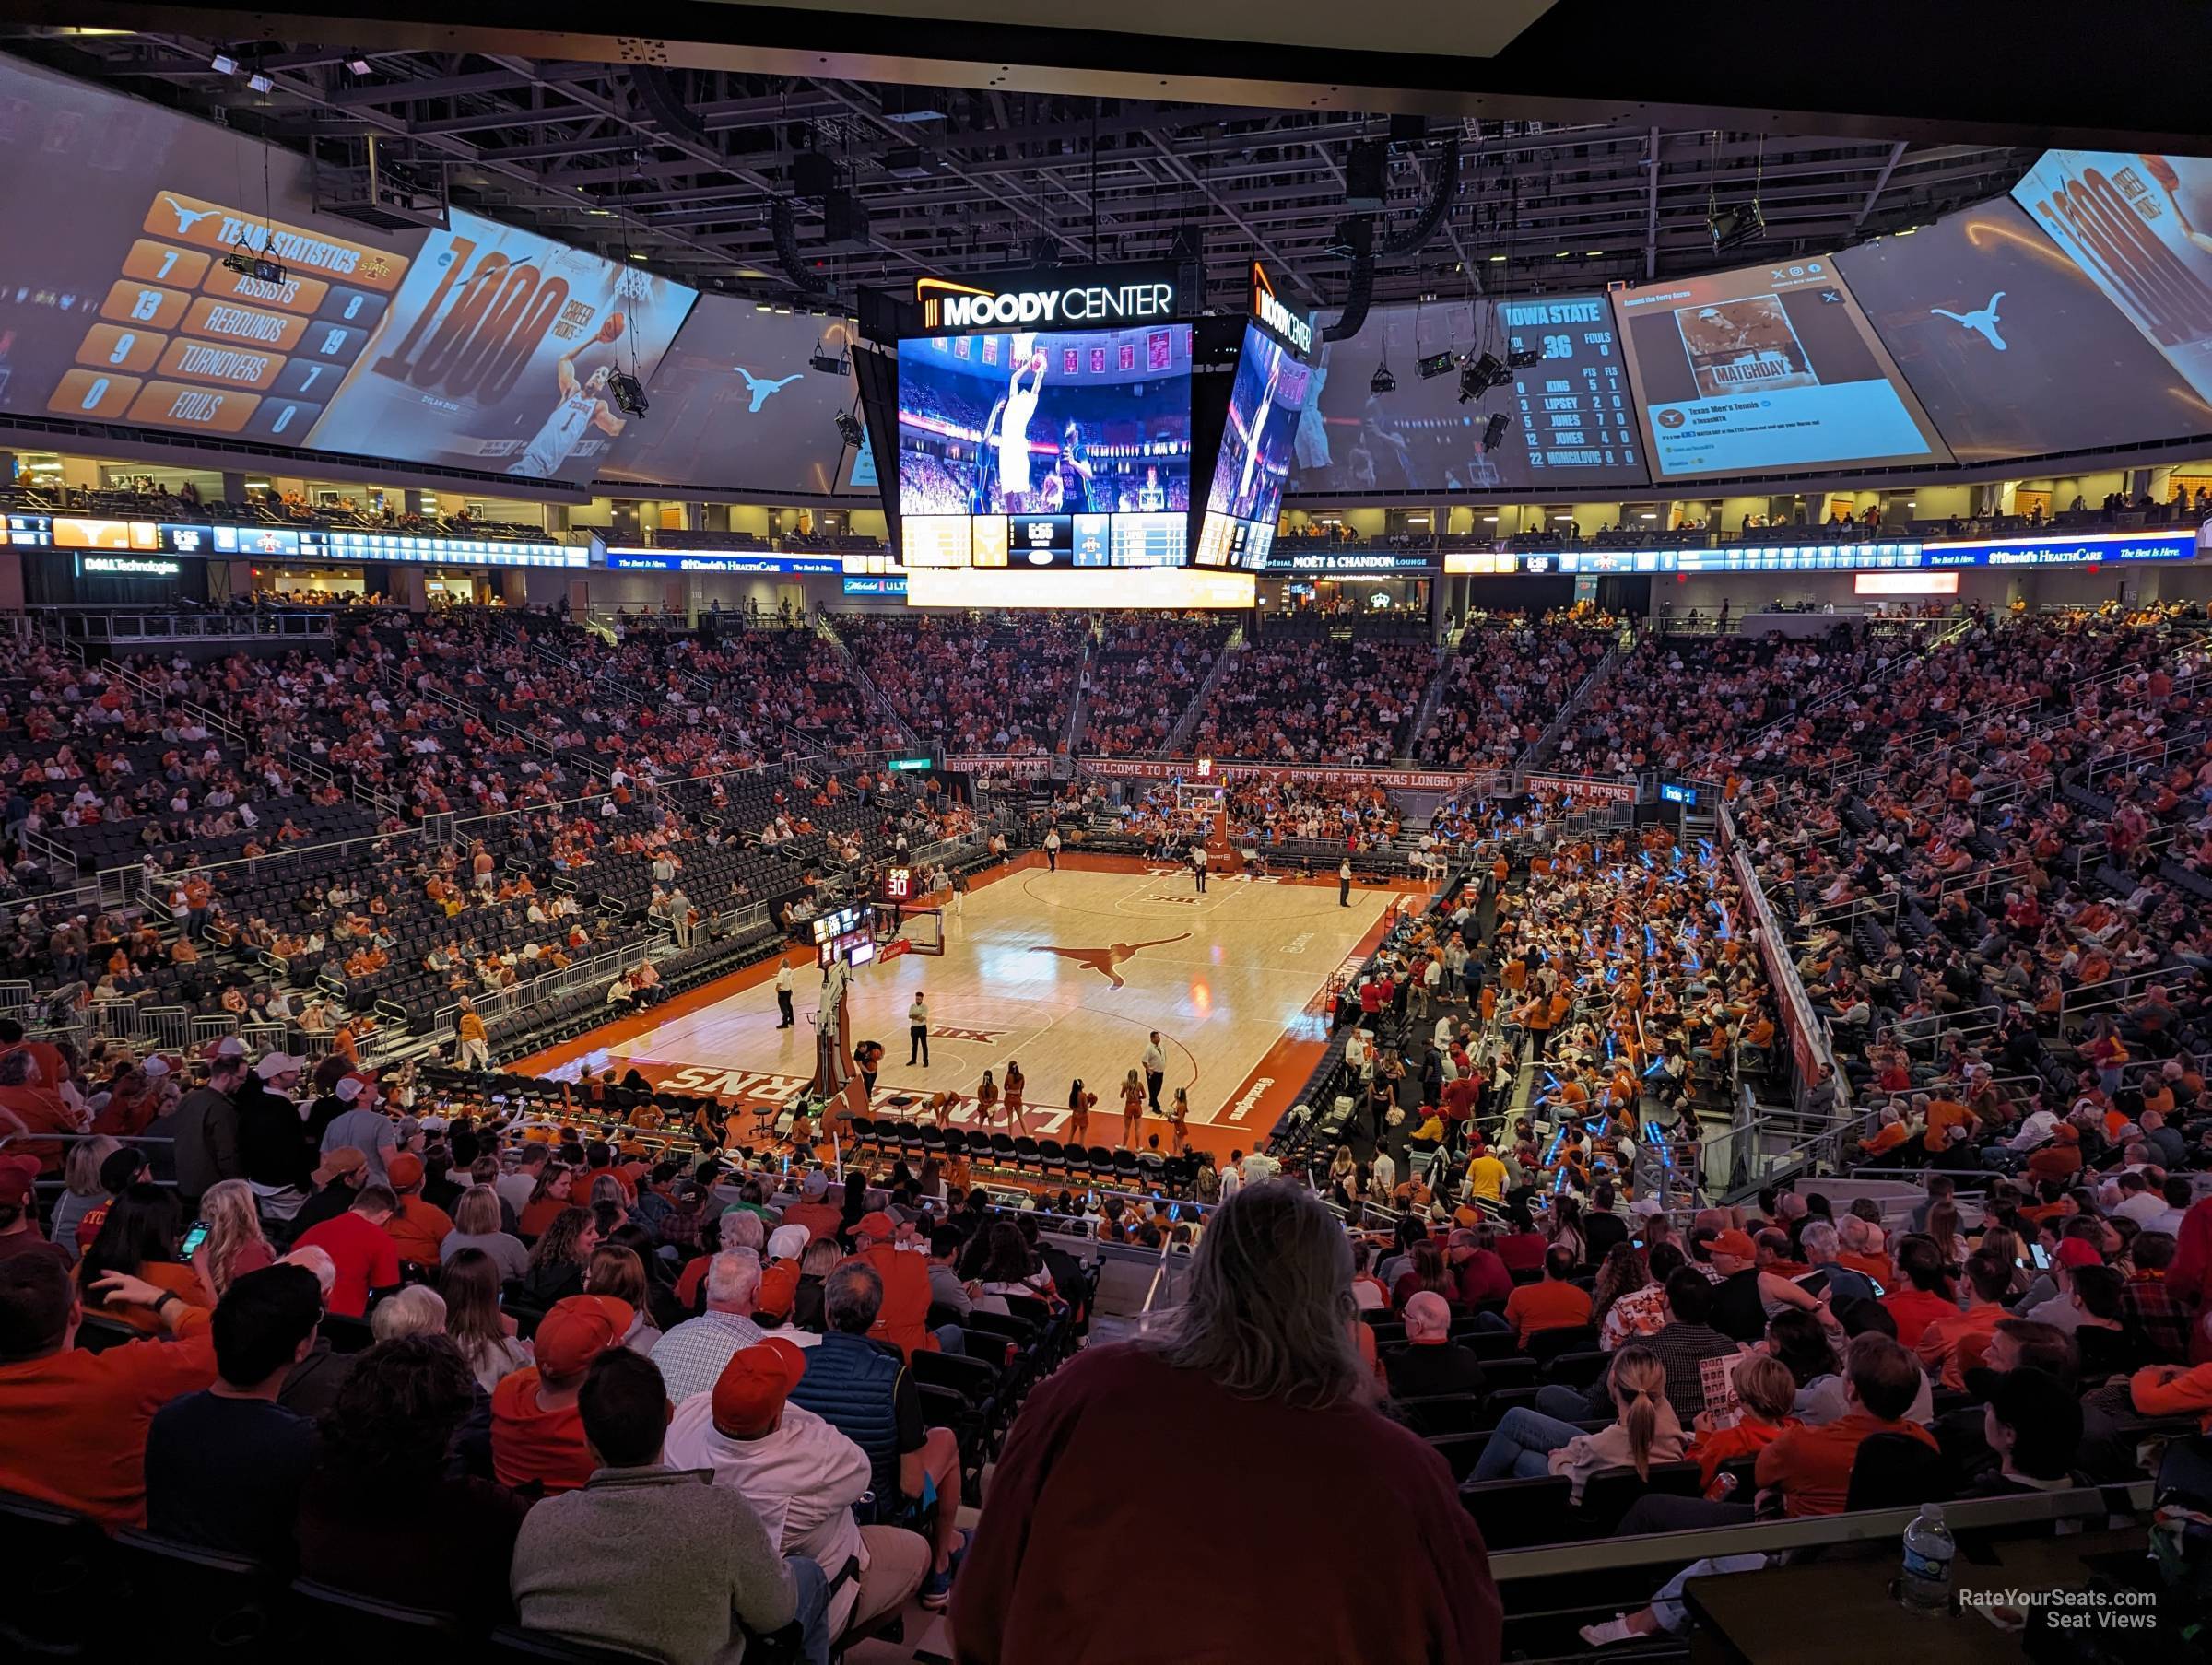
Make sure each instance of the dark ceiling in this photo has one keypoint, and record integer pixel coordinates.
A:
(681, 165)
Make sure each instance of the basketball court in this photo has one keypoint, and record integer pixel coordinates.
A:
(1067, 972)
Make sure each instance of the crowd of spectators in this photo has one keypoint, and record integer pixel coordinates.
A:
(1508, 681)
(1144, 673)
(964, 684)
(1303, 701)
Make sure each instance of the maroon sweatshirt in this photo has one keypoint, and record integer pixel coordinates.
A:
(1117, 1437)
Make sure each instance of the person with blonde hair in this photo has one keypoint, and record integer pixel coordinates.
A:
(1527, 1444)
(234, 1244)
(476, 1224)
(1260, 1358)
(416, 1310)
(82, 1192)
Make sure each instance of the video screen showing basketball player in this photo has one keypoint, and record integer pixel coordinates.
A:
(584, 405)
(1257, 440)
(1089, 422)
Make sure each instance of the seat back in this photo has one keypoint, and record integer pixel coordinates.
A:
(363, 1630)
(1518, 1514)
(58, 1561)
(1439, 1413)
(1607, 1494)
(200, 1603)
(1894, 1472)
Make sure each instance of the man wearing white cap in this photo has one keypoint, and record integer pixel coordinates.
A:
(272, 1136)
(361, 1125)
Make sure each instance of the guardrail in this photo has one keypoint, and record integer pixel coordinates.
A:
(80, 627)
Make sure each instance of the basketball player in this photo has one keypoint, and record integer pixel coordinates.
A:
(1013, 440)
(581, 407)
(1244, 501)
(1078, 474)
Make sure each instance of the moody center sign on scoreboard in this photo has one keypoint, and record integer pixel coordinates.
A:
(1077, 298)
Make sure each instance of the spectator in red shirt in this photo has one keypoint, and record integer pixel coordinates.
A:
(1259, 1359)
(366, 1257)
(1927, 1295)
(1811, 1466)
(1482, 1275)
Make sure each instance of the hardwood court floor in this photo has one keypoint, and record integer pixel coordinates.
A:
(1065, 971)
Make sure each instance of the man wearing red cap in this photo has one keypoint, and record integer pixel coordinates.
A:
(536, 1431)
(19, 1215)
(587, 1565)
(904, 1320)
(416, 1227)
(793, 1466)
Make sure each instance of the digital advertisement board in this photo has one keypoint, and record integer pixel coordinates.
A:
(2140, 227)
(2013, 349)
(1574, 426)
(1069, 449)
(258, 543)
(738, 403)
(1766, 367)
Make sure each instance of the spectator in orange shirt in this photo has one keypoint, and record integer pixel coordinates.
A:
(1890, 1133)
(1927, 1295)
(74, 1431)
(1553, 1304)
(1811, 1466)
(536, 1430)
(416, 1227)
(1950, 1346)
(1765, 1391)
(1945, 1116)
(902, 1320)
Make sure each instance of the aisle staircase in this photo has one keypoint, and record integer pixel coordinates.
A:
(1179, 737)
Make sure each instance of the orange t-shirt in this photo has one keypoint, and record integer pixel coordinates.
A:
(74, 1431)
(1747, 1438)
(529, 1442)
(1812, 1466)
(417, 1230)
(1546, 1306)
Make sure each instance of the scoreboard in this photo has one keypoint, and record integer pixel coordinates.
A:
(183, 341)
(1572, 407)
(845, 934)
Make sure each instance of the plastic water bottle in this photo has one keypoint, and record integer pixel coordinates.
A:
(1926, 1585)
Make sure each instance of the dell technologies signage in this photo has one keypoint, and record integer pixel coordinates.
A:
(1294, 329)
(1064, 299)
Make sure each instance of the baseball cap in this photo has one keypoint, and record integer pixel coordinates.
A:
(349, 1088)
(404, 1170)
(123, 1166)
(279, 1063)
(343, 1160)
(877, 1224)
(156, 1066)
(779, 1291)
(814, 1185)
(751, 1389)
(229, 1046)
(2078, 1252)
(578, 1330)
(18, 1174)
(1735, 1244)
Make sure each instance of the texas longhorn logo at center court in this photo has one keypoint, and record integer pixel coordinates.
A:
(1104, 960)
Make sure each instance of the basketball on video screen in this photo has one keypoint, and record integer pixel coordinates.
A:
(1096, 422)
